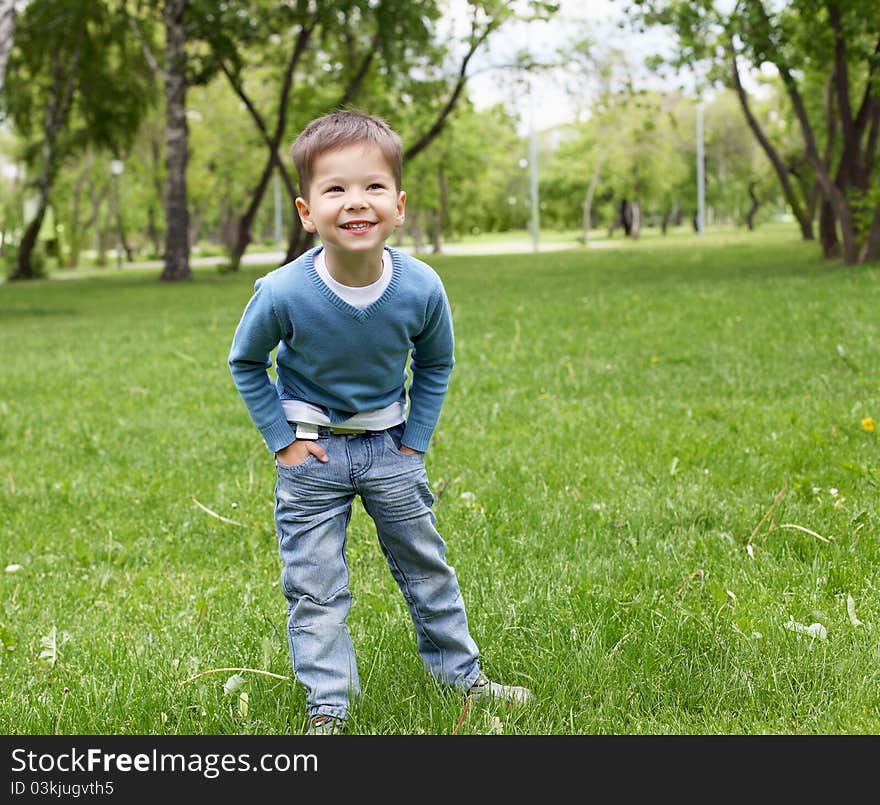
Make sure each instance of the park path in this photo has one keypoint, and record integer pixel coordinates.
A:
(522, 246)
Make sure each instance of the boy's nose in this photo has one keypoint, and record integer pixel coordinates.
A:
(355, 200)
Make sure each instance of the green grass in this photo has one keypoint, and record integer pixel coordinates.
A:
(618, 425)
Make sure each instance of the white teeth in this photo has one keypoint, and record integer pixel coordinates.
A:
(356, 226)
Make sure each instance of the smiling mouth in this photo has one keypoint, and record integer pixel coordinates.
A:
(357, 226)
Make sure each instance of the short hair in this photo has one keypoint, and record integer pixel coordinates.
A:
(339, 129)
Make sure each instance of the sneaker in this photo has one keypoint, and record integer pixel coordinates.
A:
(325, 725)
(484, 690)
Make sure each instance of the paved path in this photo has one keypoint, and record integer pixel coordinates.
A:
(267, 258)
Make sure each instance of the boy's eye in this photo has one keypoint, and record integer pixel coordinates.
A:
(334, 189)
(376, 186)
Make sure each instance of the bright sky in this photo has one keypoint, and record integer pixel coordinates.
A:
(597, 18)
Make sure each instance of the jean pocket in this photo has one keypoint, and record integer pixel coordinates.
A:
(291, 469)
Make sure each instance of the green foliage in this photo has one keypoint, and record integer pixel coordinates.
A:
(470, 176)
(87, 43)
(648, 419)
(825, 57)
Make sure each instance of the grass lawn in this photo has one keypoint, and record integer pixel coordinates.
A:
(655, 473)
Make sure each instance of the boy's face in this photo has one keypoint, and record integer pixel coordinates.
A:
(353, 202)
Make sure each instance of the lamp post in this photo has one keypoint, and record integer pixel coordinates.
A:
(533, 169)
(701, 178)
(116, 168)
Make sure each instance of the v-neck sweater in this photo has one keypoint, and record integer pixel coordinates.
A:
(344, 359)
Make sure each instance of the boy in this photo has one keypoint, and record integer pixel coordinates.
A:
(345, 316)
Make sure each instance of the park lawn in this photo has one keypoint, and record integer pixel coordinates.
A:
(655, 473)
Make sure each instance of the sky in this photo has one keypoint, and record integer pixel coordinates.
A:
(488, 84)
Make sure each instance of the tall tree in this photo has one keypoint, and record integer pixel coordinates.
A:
(364, 49)
(176, 143)
(183, 25)
(73, 81)
(835, 41)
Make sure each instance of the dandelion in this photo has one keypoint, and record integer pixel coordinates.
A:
(868, 424)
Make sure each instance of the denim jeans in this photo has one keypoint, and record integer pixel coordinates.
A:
(312, 510)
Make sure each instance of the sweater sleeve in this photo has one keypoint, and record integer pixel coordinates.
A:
(431, 364)
(259, 331)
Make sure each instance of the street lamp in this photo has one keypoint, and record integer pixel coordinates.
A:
(116, 168)
(535, 225)
(701, 176)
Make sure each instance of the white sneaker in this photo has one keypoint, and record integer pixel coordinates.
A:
(325, 725)
(484, 690)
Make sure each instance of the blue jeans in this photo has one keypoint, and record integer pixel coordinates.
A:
(312, 511)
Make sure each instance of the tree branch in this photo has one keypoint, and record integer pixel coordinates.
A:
(148, 52)
(440, 122)
(360, 74)
(765, 143)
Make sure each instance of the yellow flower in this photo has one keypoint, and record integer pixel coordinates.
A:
(868, 424)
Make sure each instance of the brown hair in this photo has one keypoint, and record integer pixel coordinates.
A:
(339, 129)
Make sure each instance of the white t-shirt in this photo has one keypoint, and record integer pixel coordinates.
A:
(359, 297)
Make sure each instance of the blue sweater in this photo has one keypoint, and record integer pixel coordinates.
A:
(344, 359)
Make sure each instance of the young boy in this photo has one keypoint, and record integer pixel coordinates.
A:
(345, 316)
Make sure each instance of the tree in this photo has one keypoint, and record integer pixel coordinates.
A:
(809, 44)
(376, 51)
(465, 182)
(73, 81)
(176, 143)
(184, 24)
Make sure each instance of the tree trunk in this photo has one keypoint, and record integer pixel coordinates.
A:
(59, 103)
(415, 231)
(871, 248)
(750, 215)
(853, 168)
(300, 240)
(195, 225)
(805, 222)
(672, 215)
(615, 224)
(177, 142)
(7, 34)
(588, 201)
(242, 238)
(24, 269)
(436, 229)
(834, 195)
(625, 217)
(476, 39)
(828, 231)
(635, 226)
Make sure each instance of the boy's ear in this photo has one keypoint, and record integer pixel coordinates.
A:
(401, 208)
(305, 214)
